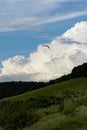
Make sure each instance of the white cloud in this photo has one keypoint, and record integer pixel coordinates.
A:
(26, 14)
(17, 24)
(73, 33)
(65, 52)
(31, 22)
(61, 17)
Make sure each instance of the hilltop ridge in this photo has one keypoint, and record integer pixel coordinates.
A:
(8, 89)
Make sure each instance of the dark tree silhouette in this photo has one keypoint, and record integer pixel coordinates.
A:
(8, 89)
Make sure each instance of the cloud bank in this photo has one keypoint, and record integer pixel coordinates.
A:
(64, 52)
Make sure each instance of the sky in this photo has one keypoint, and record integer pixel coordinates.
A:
(26, 25)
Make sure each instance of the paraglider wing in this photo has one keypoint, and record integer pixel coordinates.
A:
(47, 46)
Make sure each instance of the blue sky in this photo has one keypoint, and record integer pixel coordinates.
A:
(25, 24)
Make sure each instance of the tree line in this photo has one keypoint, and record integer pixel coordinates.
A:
(8, 89)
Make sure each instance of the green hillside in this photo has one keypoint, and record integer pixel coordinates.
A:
(61, 106)
(73, 84)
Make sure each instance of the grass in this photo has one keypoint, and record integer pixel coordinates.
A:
(60, 122)
(70, 113)
(73, 85)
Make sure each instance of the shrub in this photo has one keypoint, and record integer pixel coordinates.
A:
(18, 115)
(61, 107)
(9, 127)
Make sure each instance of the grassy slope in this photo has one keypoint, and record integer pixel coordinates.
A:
(74, 113)
(56, 89)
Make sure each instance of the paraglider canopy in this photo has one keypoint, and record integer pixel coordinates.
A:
(46, 46)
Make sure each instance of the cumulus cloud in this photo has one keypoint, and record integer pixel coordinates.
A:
(64, 52)
(77, 33)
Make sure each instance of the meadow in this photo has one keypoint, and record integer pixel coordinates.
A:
(61, 106)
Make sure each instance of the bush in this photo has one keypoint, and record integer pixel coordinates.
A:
(9, 127)
(17, 115)
(43, 101)
(69, 110)
(61, 107)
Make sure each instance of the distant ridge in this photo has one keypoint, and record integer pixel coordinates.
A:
(8, 89)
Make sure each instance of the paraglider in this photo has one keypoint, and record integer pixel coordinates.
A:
(46, 46)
